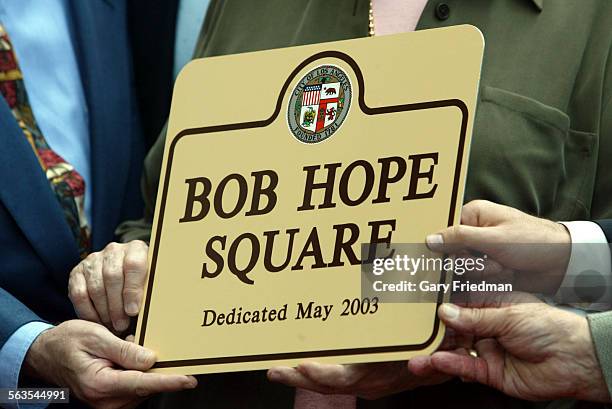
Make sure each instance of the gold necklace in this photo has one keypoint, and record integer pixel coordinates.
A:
(371, 30)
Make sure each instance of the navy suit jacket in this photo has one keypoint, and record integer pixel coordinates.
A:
(37, 249)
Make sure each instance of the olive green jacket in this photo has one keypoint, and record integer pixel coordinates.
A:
(543, 131)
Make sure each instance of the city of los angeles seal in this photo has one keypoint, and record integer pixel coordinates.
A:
(319, 104)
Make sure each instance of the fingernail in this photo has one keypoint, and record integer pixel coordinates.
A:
(449, 311)
(434, 240)
(131, 308)
(191, 383)
(121, 325)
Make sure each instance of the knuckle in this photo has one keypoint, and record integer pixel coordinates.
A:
(134, 263)
(477, 317)
(77, 295)
(109, 258)
(470, 205)
(111, 275)
(139, 244)
(473, 209)
(479, 203)
(88, 265)
(97, 332)
(112, 247)
(71, 286)
(456, 231)
(76, 270)
(469, 209)
(130, 293)
(96, 289)
(125, 351)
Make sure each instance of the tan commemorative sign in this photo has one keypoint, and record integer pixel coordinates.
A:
(278, 166)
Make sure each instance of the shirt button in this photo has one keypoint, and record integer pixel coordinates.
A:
(442, 11)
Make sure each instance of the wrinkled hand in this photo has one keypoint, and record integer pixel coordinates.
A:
(86, 358)
(513, 241)
(369, 381)
(529, 350)
(107, 287)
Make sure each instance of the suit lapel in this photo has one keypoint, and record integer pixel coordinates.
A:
(27, 195)
(24, 188)
(94, 32)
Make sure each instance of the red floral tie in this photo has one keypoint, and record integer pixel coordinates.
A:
(66, 182)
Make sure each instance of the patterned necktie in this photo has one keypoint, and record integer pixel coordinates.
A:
(66, 182)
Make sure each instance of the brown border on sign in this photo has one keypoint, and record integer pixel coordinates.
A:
(259, 124)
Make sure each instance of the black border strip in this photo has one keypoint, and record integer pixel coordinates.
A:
(259, 124)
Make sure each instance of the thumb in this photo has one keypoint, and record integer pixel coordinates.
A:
(483, 322)
(459, 237)
(125, 354)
